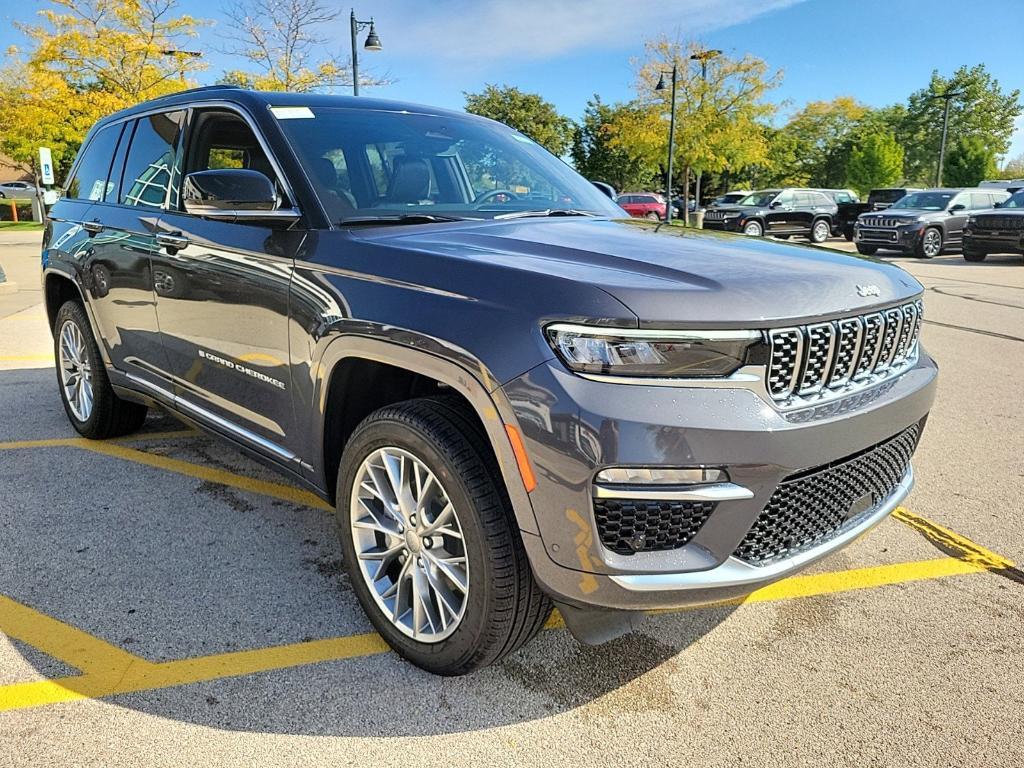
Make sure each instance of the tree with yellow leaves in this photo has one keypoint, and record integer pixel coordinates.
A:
(719, 120)
(85, 60)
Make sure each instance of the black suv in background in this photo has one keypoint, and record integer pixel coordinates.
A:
(924, 223)
(878, 199)
(780, 212)
(511, 397)
(1000, 230)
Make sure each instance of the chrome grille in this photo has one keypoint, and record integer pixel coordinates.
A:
(833, 358)
(883, 222)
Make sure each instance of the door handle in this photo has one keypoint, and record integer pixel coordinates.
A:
(172, 242)
(93, 227)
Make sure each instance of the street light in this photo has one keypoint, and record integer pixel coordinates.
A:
(671, 138)
(946, 97)
(702, 57)
(372, 44)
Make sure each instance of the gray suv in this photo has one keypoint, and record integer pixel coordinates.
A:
(512, 396)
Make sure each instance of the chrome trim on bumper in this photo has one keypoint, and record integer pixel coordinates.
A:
(735, 572)
(716, 492)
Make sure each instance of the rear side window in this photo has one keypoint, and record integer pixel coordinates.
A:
(91, 179)
(150, 169)
(820, 199)
(980, 201)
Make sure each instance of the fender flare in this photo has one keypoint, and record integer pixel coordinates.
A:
(75, 279)
(476, 386)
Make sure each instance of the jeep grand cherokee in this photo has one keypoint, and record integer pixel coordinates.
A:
(512, 397)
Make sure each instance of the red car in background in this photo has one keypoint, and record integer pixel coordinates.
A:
(643, 205)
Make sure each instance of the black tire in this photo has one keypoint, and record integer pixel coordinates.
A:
(505, 607)
(848, 234)
(923, 251)
(753, 229)
(867, 250)
(652, 216)
(820, 231)
(111, 416)
(974, 256)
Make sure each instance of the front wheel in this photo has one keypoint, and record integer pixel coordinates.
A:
(89, 400)
(930, 244)
(430, 541)
(753, 229)
(866, 250)
(653, 216)
(820, 232)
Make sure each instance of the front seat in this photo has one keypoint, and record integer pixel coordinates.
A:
(410, 181)
(337, 202)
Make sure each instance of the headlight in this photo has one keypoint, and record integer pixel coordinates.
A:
(652, 353)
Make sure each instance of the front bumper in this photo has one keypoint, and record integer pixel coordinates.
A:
(903, 238)
(990, 242)
(573, 427)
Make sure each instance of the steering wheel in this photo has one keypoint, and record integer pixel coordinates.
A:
(507, 194)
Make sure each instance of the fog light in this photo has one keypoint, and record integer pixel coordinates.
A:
(660, 476)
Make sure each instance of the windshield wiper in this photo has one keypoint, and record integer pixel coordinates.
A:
(545, 212)
(405, 218)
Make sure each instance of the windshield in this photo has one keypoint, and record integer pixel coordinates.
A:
(375, 164)
(886, 195)
(760, 198)
(926, 201)
(1016, 200)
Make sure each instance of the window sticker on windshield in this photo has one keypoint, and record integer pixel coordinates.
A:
(292, 113)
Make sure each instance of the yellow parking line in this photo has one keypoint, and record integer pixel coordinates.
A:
(81, 442)
(48, 358)
(135, 674)
(952, 542)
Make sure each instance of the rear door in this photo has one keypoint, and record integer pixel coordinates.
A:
(222, 296)
(123, 224)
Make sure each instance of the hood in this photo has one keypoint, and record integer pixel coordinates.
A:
(671, 277)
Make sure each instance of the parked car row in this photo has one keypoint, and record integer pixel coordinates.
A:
(924, 223)
(995, 231)
(782, 212)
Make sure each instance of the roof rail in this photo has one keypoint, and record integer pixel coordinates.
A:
(201, 89)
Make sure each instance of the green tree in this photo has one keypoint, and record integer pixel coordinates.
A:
(528, 113)
(813, 147)
(720, 120)
(968, 161)
(983, 110)
(90, 58)
(595, 156)
(876, 161)
(1013, 168)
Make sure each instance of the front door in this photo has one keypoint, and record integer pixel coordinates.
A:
(222, 299)
(780, 214)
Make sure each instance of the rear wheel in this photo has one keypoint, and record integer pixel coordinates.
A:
(971, 255)
(430, 541)
(867, 250)
(89, 400)
(653, 216)
(820, 231)
(753, 229)
(930, 244)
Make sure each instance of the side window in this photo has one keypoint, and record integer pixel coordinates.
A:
(979, 201)
(92, 175)
(820, 199)
(784, 198)
(150, 168)
(220, 140)
(802, 200)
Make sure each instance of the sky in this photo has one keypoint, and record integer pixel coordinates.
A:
(878, 51)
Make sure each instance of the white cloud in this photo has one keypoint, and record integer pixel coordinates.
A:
(520, 30)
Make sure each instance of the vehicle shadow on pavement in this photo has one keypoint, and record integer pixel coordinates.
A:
(169, 566)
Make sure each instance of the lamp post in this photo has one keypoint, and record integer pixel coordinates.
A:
(372, 44)
(671, 137)
(702, 56)
(948, 96)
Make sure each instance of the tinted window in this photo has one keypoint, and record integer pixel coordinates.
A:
(150, 166)
(929, 201)
(1016, 201)
(760, 199)
(90, 181)
(820, 199)
(802, 199)
(786, 198)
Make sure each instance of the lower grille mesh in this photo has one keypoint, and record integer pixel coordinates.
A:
(811, 506)
(627, 526)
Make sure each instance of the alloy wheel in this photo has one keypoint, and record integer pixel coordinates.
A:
(75, 371)
(753, 229)
(409, 544)
(932, 243)
(821, 232)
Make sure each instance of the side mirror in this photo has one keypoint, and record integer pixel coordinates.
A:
(958, 207)
(608, 189)
(997, 204)
(233, 193)
(774, 204)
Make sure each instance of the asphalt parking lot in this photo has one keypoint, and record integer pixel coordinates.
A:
(165, 601)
